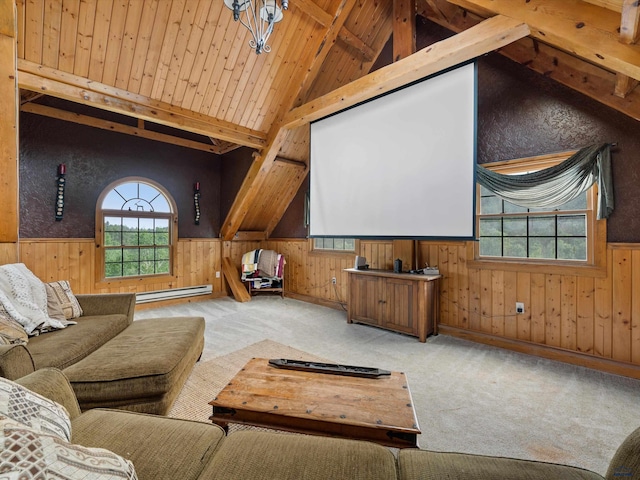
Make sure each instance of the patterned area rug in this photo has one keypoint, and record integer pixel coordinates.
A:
(210, 376)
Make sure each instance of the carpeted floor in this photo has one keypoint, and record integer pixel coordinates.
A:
(469, 397)
(210, 376)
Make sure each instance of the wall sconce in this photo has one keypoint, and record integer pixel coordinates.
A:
(62, 170)
(196, 201)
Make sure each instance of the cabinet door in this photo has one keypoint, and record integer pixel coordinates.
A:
(366, 299)
(401, 306)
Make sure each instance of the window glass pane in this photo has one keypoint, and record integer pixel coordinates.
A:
(542, 226)
(113, 255)
(162, 266)
(350, 244)
(491, 204)
(318, 243)
(161, 239)
(130, 254)
(515, 247)
(541, 247)
(113, 223)
(572, 225)
(112, 201)
(127, 190)
(161, 205)
(147, 268)
(162, 253)
(572, 248)
(338, 244)
(515, 227)
(129, 223)
(145, 224)
(490, 227)
(512, 208)
(491, 247)
(162, 224)
(112, 239)
(113, 270)
(130, 238)
(130, 269)
(146, 254)
(578, 203)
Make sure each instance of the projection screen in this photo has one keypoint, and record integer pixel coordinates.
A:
(400, 165)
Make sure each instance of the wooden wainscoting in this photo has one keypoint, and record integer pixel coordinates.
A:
(197, 262)
(308, 274)
(596, 317)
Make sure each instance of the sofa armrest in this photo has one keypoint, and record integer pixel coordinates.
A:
(15, 361)
(108, 303)
(53, 384)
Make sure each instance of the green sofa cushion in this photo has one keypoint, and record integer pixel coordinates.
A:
(62, 348)
(424, 465)
(160, 448)
(150, 359)
(275, 456)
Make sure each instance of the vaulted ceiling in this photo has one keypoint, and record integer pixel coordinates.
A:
(188, 65)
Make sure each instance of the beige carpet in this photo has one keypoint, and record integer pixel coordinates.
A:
(210, 376)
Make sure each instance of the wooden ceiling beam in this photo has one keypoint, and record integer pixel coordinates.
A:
(404, 28)
(38, 78)
(326, 19)
(250, 189)
(577, 74)
(9, 203)
(139, 131)
(485, 37)
(586, 30)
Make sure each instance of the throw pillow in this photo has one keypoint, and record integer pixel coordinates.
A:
(53, 304)
(11, 332)
(33, 410)
(67, 300)
(30, 454)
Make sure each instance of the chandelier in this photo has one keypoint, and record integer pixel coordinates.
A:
(259, 17)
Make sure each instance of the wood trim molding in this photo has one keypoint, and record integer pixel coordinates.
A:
(544, 351)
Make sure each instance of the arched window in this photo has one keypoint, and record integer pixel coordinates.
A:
(136, 229)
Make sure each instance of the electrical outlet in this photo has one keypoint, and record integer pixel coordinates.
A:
(217, 274)
(333, 280)
(519, 307)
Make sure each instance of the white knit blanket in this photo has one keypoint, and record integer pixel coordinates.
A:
(24, 297)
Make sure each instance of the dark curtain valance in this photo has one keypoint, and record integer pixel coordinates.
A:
(559, 184)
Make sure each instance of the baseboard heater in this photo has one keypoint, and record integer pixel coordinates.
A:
(157, 295)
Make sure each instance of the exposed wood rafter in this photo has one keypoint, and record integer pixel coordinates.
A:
(325, 19)
(38, 78)
(259, 170)
(404, 28)
(580, 75)
(139, 131)
(590, 32)
(485, 37)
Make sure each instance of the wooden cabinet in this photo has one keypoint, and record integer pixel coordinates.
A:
(400, 302)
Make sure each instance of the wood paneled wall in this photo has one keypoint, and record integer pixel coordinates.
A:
(580, 314)
(583, 319)
(197, 262)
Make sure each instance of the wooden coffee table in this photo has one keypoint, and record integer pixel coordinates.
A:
(375, 409)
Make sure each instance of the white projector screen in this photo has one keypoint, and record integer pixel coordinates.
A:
(400, 165)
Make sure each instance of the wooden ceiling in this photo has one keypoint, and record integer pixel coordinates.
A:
(187, 64)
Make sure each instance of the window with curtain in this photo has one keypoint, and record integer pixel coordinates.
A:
(566, 234)
(510, 231)
(136, 229)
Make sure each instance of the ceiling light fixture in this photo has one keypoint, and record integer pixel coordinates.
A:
(260, 17)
